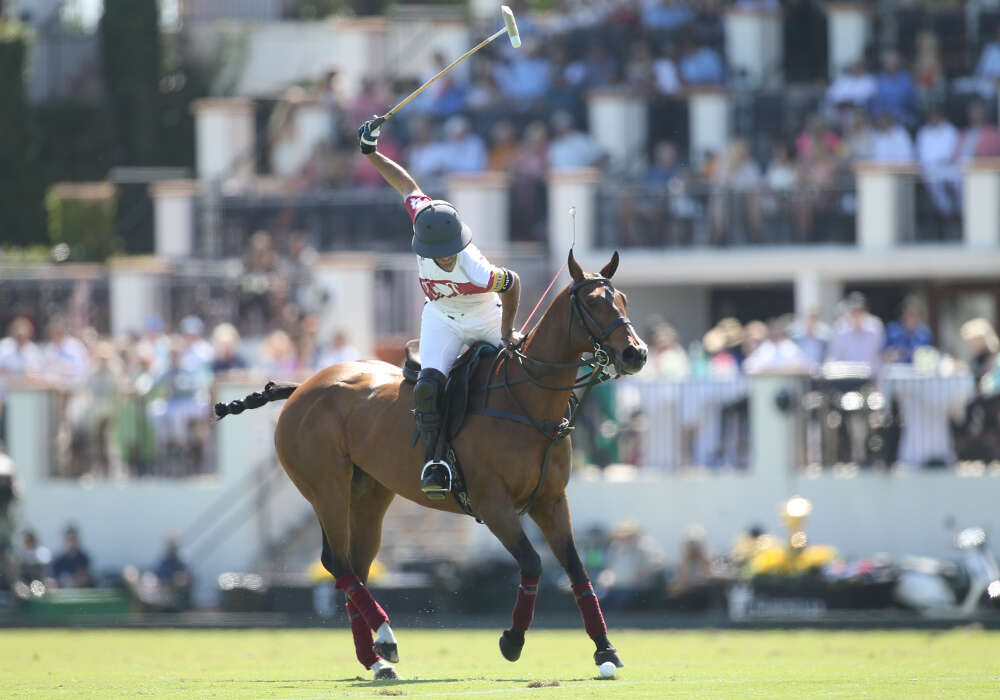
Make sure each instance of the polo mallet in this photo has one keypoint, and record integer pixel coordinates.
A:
(509, 28)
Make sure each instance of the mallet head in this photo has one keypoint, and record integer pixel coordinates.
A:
(511, 25)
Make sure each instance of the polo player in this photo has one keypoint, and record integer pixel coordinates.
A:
(467, 300)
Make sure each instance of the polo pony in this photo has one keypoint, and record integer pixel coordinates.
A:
(345, 439)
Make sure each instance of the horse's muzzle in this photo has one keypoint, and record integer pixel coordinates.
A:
(633, 358)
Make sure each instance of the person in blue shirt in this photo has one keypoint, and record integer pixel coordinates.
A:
(72, 567)
(907, 334)
(700, 65)
(896, 93)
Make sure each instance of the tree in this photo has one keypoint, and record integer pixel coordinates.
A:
(130, 60)
(21, 217)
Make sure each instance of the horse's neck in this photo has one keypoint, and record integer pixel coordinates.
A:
(549, 343)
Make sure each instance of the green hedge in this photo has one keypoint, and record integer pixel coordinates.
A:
(82, 216)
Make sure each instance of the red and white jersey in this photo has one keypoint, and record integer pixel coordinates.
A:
(468, 288)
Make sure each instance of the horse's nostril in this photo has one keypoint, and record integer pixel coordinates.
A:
(633, 356)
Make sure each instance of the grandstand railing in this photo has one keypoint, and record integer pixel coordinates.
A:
(683, 214)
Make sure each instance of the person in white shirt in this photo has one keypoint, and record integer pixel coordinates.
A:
(467, 300)
(66, 359)
(853, 86)
(858, 336)
(571, 148)
(18, 353)
(891, 143)
(777, 354)
(937, 144)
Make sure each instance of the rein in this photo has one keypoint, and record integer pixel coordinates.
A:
(601, 359)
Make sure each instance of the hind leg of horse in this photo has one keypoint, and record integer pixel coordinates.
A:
(502, 520)
(554, 521)
(332, 506)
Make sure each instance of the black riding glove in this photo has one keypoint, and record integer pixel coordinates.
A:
(368, 135)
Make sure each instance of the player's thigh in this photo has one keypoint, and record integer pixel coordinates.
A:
(487, 328)
(439, 341)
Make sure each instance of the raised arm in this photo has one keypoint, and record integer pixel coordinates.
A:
(393, 172)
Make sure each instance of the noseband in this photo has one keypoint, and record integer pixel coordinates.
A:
(595, 333)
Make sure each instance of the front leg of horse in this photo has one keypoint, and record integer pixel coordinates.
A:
(503, 522)
(554, 521)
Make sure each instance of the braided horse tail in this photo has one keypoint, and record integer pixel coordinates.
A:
(273, 391)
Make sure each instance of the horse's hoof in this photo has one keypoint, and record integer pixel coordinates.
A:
(610, 654)
(511, 646)
(388, 651)
(386, 673)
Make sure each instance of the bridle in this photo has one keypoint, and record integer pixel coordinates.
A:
(598, 363)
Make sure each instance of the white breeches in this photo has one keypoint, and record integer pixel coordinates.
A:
(442, 335)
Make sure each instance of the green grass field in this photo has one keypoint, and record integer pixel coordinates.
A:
(318, 664)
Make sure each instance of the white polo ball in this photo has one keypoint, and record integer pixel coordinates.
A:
(608, 669)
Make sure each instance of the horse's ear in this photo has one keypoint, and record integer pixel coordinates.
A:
(609, 269)
(574, 267)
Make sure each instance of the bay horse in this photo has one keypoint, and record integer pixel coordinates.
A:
(344, 438)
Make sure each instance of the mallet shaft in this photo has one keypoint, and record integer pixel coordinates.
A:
(447, 68)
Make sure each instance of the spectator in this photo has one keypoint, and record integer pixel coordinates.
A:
(816, 133)
(693, 571)
(34, 559)
(928, 73)
(338, 350)
(778, 353)
(462, 151)
(277, 354)
(855, 86)
(667, 359)
(65, 358)
(526, 77)
(896, 93)
(18, 353)
(571, 148)
(370, 99)
(907, 334)
(979, 139)
(988, 67)
(937, 144)
(666, 15)
(225, 345)
(858, 141)
(180, 400)
(700, 65)
(890, 142)
(781, 175)
(424, 153)
(596, 69)
(482, 94)
(640, 71)
(857, 336)
(71, 568)
(664, 167)
(260, 270)
(817, 173)
(633, 563)
(527, 188)
(503, 146)
(983, 346)
(812, 337)
(171, 570)
(734, 199)
(196, 352)
(666, 78)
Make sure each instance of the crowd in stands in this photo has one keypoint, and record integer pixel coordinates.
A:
(781, 180)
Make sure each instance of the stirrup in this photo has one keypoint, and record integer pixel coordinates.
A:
(435, 492)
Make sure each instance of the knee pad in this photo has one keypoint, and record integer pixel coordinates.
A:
(428, 389)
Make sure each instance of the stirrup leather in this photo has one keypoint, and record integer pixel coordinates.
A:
(435, 492)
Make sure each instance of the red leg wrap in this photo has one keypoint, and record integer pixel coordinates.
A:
(362, 637)
(357, 593)
(524, 608)
(590, 609)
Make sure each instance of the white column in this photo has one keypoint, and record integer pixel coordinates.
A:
(848, 30)
(981, 217)
(814, 291)
(755, 47)
(481, 200)
(225, 138)
(173, 217)
(136, 291)
(578, 189)
(885, 204)
(618, 121)
(349, 281)
(708, 122)
(773, 432)
(32, 419)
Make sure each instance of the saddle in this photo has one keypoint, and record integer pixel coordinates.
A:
(454, 404)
